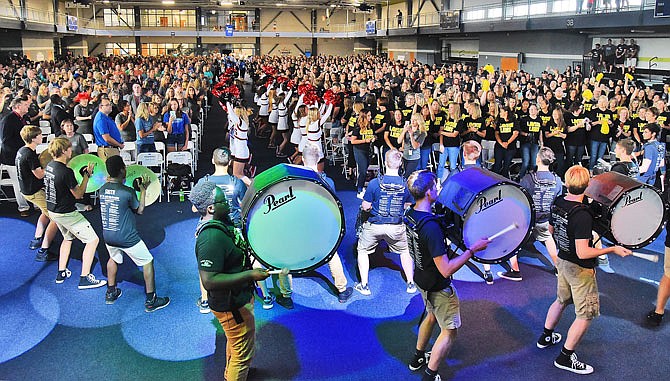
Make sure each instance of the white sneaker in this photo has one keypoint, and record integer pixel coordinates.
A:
(411, 288)
(360, 194)
(365, 290)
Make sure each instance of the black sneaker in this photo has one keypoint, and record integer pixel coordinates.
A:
(62, 275)
(157, 303)
(35, 243)
(343, 296)
(547, 341)
(89, 281)
(572, 364)
(511, 275)
(110, 297)
(285, 302)
(488, 277)
(419, 361)
(44, 255)
(654, 319)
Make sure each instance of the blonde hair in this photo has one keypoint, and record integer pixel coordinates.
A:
(577, 179)
(58, 146)
(393, 158)
(475, 111)
(358, 106)
(143, 111)
(313, 114)
(241, 112)
(418, 118)
(28, 133)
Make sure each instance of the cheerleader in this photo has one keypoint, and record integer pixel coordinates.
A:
(263, 102)
(273, 117)
(282, 121)
(299, 124)
(313, 131)
(238, 120)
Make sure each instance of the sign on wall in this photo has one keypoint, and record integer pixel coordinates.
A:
(229, 30)
(72, 24)
(371, 27)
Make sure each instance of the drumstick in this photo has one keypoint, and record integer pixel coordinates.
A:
(283, 271)
(504, 231)
(648, 257)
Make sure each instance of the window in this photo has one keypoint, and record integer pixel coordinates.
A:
(475, 15)
(118, 17)
(159, 49)
(538, 8)
(520, 10)
(120, 49)
(495, 13)
(168, 18)
(562, 6)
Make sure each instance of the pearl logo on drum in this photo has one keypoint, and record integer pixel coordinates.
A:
(630, 200)
(485, 204)
(272, 203)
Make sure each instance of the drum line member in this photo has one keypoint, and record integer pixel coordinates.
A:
(385, 198)
(571, 223)
(543, 186)
(118, 204)
(238, 122)
(654, 154)
(30, 177)
(62, 191)
(107, 135)
(10, 142)
(435, 266)
(311, 154)
(626, 166)
(655, 316)
(227, 277)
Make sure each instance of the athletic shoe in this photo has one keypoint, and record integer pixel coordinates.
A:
(573, 365)
(203, 306)
(365, 290)
(25, 213)
(62, 275)
(285, 301)
(419, 361)
(89, 281)
(654, 319)
(110, 297)
(411, 288)
(35, 243)
(547, 341)
(511, 275)
(343, 296)
(556, 271)
(156, 303)
(604, 264)
(488, 277)
(268, 302)
(360, 194)
(44, 255)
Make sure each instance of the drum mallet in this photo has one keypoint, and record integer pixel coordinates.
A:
(648, 257)
(504, 231)
(283, 271)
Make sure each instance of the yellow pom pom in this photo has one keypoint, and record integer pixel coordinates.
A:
(486, 85)
(489, 68)
(629, 76)
(439, 80)
(587, 95)
(599, 77)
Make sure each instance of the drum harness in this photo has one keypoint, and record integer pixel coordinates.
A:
(393, 190)
(560, 224)
(541, 187)
(241, 244)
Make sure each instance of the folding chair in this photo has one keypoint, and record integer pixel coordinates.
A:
(89, 138)
(92, 148)
(160, 147)
(153, 161)
(46, 130)
(127, 157)
(179, 157)
(41, 148)
(131, 149)
(50, 137)
(5, 181)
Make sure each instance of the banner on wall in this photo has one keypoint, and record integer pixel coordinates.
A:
(229, 30)
(371, 27)
(72, 24)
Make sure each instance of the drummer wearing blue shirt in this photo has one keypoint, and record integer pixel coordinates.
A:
(654, 154)
(178, 125)
(107, 135)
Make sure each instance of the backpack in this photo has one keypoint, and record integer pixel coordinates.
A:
(179, 176)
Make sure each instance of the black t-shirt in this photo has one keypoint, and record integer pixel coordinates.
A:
(554, 142)
(601, 132)
(628, 168)
(431, 245)
(362, 135)
(596, 55)
(380, 118)
(620, 53)
(625, 127)
(545, 117)
(638, 124)
(451, 126)
(609, 50)
(576, 138)
(579, 225)
(468, 123)
(394, 130)
(531, 126)
(26, 161)
(663, 120)
(506, 129)
(59, 180)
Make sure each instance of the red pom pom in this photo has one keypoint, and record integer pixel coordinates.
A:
(290, 84)
(311, 98)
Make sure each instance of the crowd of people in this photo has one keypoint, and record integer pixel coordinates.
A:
(424, 123)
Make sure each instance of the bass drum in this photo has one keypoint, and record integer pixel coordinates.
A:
(292, 219)
(483, 204)
(626, 212)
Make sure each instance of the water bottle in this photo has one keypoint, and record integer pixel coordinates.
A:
(181, 195)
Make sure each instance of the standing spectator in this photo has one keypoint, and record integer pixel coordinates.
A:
(124, 122)
(620, 56)
(399, 18)
(83, 113)
(654, 154)
(107, 136)
(632, 51)
(609, 51)
(10, 143)
(596, 58)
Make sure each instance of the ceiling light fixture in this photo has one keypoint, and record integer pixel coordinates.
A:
(167, 2)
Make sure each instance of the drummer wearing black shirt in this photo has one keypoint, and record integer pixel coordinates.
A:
(434, 266)
(571, 224)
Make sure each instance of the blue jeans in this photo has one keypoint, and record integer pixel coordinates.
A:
(597, 151)
(410, 167)
(503, 159)
(452, 154)
(425, 157)
(574, 155)
(528, 155)
(145, 147)
(362, 162)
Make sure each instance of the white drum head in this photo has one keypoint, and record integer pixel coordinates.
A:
(637, 217)
(492, 211)
(295, 224)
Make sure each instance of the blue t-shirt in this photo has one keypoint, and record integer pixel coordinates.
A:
(234, 189)
(543, 187)
(144, 125)
(178, 124)
(103, 124)
(388, 199)
(117, 205)
(655, 152)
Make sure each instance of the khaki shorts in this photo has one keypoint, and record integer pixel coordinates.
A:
(666, 263)
(578, 285)
(541, 232)
(394, 235)
(72, 225)
(39, 199)
(105, 152)
(139, 253)
(445, 306)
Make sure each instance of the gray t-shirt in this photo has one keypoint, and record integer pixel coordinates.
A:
(409, 152)
(117, 205)
(234, 190)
